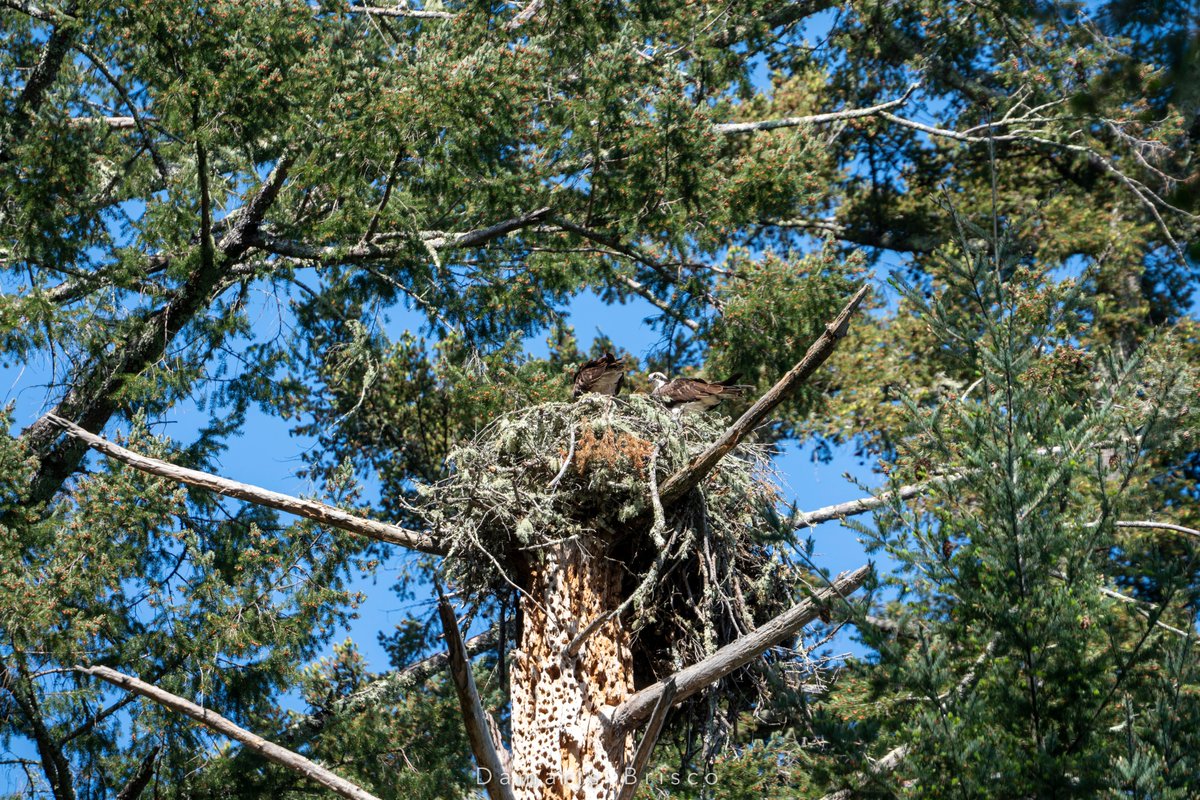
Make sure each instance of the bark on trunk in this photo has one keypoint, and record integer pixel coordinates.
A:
(564, 745)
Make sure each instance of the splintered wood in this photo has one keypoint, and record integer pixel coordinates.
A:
(564, 745)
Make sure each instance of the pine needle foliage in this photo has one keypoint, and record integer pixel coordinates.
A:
(1019, 665)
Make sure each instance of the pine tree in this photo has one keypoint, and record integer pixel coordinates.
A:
(1034, 622)
(165, 166)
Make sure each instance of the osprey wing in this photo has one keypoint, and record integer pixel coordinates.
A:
(603, 375)
(696, 394)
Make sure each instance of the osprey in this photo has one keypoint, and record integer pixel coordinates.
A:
(602, 375)
(692, 395)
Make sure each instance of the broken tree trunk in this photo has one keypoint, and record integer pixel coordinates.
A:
(564, 744)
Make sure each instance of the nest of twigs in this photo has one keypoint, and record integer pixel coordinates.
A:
(699, 574)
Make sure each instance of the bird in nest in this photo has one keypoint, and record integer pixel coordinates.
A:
(693, 395)
(603, 375)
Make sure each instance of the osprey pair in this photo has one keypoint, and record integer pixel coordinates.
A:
(606, 375)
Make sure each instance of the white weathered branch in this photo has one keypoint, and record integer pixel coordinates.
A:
(1162, 526)
(309, 509)
(380, 248)
(488, 752)
(398, 11)
(734, 655)
(884, 765)
(214, 721)
(1150, 199)
(730, 128)
(648, 294)
(690, 476)
(851, 508)
(947, 133)
(650, 735)
(484, 235)
(1144, 608)
(1147, 610)
(114, 123)
(524, 15)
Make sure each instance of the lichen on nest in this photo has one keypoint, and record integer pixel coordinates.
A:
(561, 472)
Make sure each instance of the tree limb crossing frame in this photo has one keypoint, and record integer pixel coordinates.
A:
(214, 721)
(309, 509)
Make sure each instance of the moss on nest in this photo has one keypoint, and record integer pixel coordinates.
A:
(563, 471)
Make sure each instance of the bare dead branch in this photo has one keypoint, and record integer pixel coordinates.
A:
(616, 248)
(379, 248)
(32, 10)
(1163, 526)
(485, 235)
(1143, 608)
(650, 296)
(695, 678)
(309, 509)
(92, 398)
(135, 119)
(524, 15)
(807, 519)
(613, 243)
(881, 766)
(396, 11)
(479, 732)
(1147, 610)
(113, 123)
(729, 128)
(70, 290)
(89, 724)
(947, 133)
(214, 721)
(690, 476)
(566, 462)
(1152, 201)
(649, 737)
(869, 235)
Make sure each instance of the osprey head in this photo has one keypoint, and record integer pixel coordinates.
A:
(658, 379)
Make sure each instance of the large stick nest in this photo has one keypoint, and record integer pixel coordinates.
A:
(702, 575)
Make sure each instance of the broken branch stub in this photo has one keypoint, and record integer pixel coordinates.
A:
(690, 680)
(641, 759)
(690, 476)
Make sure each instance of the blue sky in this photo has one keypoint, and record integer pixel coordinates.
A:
(268, 455)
